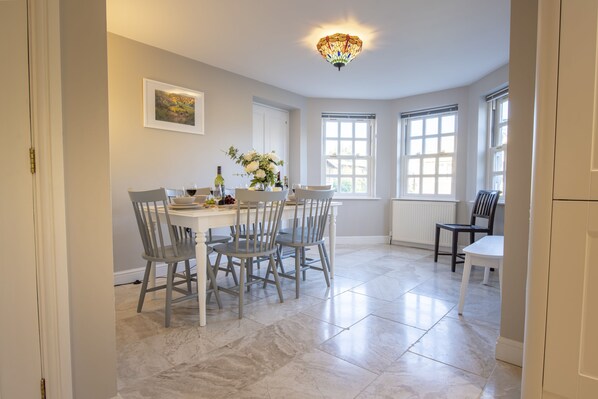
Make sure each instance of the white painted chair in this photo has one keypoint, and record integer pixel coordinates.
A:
(486, 252)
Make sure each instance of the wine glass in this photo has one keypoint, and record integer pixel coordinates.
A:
(191, 189)
(296, 186)
(218, 194)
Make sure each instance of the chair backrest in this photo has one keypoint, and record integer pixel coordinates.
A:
(327, 187)
(311, 214)
(173, 193)
(155, 229)
(484, 207)
(258, 219)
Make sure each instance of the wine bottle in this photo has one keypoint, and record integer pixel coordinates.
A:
(286, 183)
(278, 182)
(219, 182)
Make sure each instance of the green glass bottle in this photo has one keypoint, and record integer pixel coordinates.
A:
(219, 182)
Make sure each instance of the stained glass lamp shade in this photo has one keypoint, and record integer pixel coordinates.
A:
(339, 49)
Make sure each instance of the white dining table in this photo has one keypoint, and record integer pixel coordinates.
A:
(202, 219)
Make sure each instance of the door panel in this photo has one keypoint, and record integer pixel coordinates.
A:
(571, 368)
(271, 132)
(20, 364)
(577, 110)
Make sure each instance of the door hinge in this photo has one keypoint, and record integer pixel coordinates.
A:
(32, 160)
(42, 387)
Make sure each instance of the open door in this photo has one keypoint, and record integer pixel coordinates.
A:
(20, 354)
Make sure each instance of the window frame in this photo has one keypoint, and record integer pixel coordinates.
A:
(493, 130)
(370, 158)
(406, 120)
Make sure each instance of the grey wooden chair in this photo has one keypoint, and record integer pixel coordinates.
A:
(309, 222)
(254, 208)
(162, 243)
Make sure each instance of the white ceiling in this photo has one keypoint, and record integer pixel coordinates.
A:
(409, 46)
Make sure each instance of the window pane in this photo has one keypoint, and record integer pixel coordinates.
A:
(498, 164)
(417, 127)
(429, 166)
(332, 166)
(504, 111)
(413, 167)
(331, 129)
(361, 148)
(331, 147)
(447, 144)
(447, 124)
(361, 130)
(445, 166)
(415, 147)
(347, 129)
(346, 147)
(444, 185)
(431, 126)
(497, 183)
(413, 185)
(361, 167)
(346, 167)
(361, 185)
(333, 181)
(502, 134)
(346, 185)
(428, 185)
(431, 145)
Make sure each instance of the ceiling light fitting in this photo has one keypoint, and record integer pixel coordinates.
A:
(339, 49)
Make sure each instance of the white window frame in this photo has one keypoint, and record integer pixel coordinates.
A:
(494, 125)
(369, 157)
(407, 119)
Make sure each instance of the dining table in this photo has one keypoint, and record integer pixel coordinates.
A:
(201, 219)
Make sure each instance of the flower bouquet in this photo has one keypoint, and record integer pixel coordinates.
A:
(263, 168)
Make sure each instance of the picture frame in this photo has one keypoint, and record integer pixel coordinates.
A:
(170, 107)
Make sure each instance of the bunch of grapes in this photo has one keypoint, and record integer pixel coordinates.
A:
(229, 200)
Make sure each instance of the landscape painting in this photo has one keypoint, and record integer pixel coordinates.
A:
(171, 107)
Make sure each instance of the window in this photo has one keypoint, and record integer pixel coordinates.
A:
(428, 167)
(498, 118)
(348, 153)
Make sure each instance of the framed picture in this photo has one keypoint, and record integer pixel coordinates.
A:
(171, 107)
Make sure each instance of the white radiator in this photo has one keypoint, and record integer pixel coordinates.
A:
(415, 221)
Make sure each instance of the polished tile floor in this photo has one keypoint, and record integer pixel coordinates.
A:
(387, 328)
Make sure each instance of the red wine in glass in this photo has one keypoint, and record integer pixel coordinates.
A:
(191, 191)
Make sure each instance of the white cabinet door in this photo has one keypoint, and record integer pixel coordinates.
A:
(271, 132)
(20, 363)
(576, 156)
(571, 357)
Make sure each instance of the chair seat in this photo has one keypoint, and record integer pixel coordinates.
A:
(287, 239)
(186, 250)
(463, 227)
(214, 239)
(243, 249)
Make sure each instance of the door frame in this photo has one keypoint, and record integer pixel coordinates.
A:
(49, 196)
(547, 57)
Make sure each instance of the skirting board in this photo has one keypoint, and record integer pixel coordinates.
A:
(353, 240)
(129, 276)
(509, 351)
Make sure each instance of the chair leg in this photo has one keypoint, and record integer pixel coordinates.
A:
(324, 261)
(188, 276)
(454, 251)
(297, 270)
(212, 281)
(241, 287)
(148, 268)
(272, 264)
(231, 268)
(303, 261)
(326, 256)
(436, 242)
(167, 307)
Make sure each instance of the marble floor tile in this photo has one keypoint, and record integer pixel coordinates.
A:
(385, 288)
(504, 382)
(338, 285)
(361, 273)
(373, 343)
(415, 310)
(460, 344)
(414, 376)
(314, 374)
(345, 309)
(269, 310)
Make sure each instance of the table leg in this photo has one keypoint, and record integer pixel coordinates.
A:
(332, 238)
(464, 282)
(200, 254)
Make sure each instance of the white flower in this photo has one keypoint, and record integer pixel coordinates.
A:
(273, 168)
(260, 174)
(249, 156)
(273, 157)
(252, 166)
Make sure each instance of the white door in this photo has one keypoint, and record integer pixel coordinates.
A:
(577, 110)
(20, 357)
(271, 132)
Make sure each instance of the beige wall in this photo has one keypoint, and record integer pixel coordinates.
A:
(521, 96)
(87, 185)
(143, 158)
